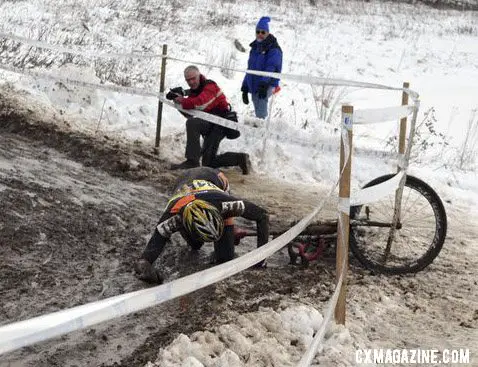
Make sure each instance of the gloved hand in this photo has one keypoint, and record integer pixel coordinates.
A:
(145, 271)
(262, 90)
(245, 98)
(175, 92)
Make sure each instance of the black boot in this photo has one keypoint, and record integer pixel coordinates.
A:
(231, 159)
(189, 163)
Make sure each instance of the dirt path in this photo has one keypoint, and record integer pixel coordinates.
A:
(77, 210)
(76, 213)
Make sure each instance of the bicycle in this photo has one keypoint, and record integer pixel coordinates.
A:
(418, 239)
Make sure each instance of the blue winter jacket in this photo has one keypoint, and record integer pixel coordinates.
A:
(264, 56)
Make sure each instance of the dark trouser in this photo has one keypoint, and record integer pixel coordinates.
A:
(213, 135)
(195, 128)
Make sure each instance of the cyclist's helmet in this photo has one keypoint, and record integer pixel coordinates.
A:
(203, 221)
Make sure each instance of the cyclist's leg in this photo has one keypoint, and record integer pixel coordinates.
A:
(224, 248)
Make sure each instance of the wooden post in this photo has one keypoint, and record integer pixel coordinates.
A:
(344, 207)
(403, 126)
(160, 104)
(397, 210)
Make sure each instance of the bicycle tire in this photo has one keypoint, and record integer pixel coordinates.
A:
(429, 222)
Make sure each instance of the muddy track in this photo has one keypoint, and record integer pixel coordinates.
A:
(77, 212)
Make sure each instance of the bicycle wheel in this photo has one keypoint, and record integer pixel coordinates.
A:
(419, 236)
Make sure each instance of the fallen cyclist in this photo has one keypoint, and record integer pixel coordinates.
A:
(201, 210)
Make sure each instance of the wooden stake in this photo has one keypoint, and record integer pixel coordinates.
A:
(344, 206)
(160, 104)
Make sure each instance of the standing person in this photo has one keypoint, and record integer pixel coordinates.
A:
(202, 210)
(265, 55)
(205, 95)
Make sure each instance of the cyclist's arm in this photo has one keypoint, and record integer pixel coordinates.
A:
(248, 210)
(168, 224)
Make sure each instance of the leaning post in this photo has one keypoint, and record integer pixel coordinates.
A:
(341, 264)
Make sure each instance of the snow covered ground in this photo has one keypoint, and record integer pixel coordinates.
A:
(387, 43)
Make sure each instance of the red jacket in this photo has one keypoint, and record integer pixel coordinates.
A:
(208, 97)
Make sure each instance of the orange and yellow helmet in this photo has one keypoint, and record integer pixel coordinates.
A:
(203, 221)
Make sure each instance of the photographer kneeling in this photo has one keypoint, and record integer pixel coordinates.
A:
(206, 96)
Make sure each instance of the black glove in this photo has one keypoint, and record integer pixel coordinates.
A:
(174, 93)
(245, 98)
(262, 90)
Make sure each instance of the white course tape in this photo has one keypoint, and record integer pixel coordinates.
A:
(306, 79)
(345, 141)
(309, 355)
(142, 92)
(401, 161)
(27, 332)
(371, 116)
(110, 87)
(325, 146)
(375, 193)
(311, 351)
(204, 115)
(344, 205)
(73, 51)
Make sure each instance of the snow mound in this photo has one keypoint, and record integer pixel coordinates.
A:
(262, 338)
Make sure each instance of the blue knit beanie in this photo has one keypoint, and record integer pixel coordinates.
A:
(263, 23)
